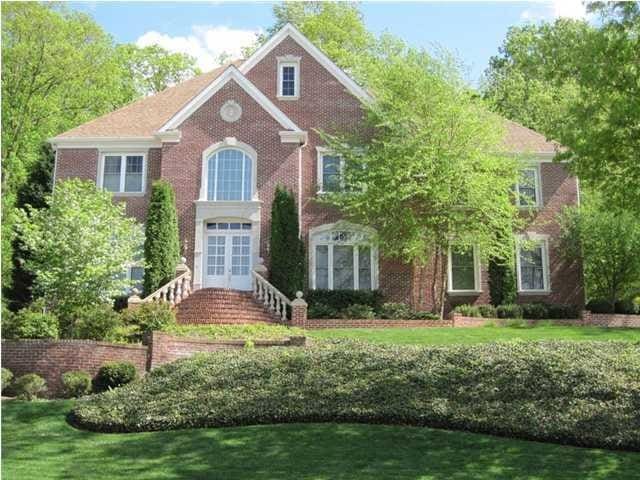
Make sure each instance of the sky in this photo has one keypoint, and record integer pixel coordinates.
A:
(471, 30)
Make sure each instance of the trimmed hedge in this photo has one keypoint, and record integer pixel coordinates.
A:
(339, 300)
(255, 331)
(530, 311)
(575, 393)
(113, 375)
(76, 384)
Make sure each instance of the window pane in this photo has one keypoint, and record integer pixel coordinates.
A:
(248, 185)
(288, 81)
(330, 173)
(111, 174)
(322, 266)
(133, 177)
(364, 268)
(342, 267)
(215, 254)
(211, 178)
(462, 269)
(229, 175)
(531, 269)
(527, 187)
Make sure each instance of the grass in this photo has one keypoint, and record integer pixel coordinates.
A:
(448, 335)
(257, 331)
(38, 444)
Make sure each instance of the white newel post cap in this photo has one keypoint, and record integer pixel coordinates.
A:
(299, 302)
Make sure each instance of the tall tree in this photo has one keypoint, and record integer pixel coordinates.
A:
(162, 240)
(579, 85)
(430, 173)
(287, 266)
(152, 68)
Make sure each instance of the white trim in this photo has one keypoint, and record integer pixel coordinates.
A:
(123, 165)
(543, 241)
(321, 152)
(231, 73)
(349, 227)
(106, 143)
(290, 31)
(289, 61)
(55, 170)
(477, 286)
(538, 186)
(228, 142)
(287, 136)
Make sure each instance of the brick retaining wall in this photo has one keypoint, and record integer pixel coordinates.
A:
(313, 323)
(612, 320)
(51, 358)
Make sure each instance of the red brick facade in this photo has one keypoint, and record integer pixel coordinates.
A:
(324, 104)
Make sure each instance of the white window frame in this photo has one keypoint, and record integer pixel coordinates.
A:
(476, 274)
(123, 166)
(321, 153)
(289, 61)
(538, 187)
(314, 242)
(543, 241)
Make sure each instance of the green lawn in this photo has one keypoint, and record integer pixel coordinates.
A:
(38, 444)
(447, 335)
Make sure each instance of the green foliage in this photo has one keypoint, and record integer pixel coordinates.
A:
(607, 241)
(487, 311)
(114, 374)
(578, 393)
(502, 282)
(79, 246)
(162, 240)
(322, 310)
(76, 384)
(395, 311)
(604, 306)
(424, 316)
(7, 377)
(534, 311)
(31, 322)
(149, 317)
(29, 386)
(92, 322)
(256, 331)
(468, 310)
(286, 248)
(358, 310)
(559, 311)
(341, 299)
(510, 310)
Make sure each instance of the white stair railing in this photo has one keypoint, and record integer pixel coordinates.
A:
(273, 299)
(173, 292)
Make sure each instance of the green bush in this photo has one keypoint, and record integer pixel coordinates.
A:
(582, 393)
(31, 322)
(29, 386)
(322, 310)
(560, 311)
(487, 311)
(516, 323)
(94, 322)
(341, 299)
(149, 317)
(76, 384)
(358, 311)
(424, 315)
(256, 331)
(114, 374)
(535, 311)
(395, 311)
(502, 282)
(511, 310)
(7, 376)
(626, 307)
(162, 241)
(467, 310)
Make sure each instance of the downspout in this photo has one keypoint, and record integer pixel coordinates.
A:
(300, 147)
(55, 169)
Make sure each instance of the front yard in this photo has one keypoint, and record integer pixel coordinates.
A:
(446, 335)
(38, 443)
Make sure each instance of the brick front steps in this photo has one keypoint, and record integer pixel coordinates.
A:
(217, 305)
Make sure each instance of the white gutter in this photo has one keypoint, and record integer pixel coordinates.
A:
(300, 147)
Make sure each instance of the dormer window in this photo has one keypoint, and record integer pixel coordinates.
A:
(288, 78)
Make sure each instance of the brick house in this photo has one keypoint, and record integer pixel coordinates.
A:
(226, 138)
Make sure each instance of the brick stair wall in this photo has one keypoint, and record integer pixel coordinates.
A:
(221, 306)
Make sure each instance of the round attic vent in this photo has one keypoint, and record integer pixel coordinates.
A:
(231, 111)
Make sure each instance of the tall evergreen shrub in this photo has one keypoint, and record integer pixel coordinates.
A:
(162, 243)
(502, 282)
(287, 271)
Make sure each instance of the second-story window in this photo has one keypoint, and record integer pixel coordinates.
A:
(230, 174)
(528, 187)
(330, 172)
(288, 78)
(123, 173)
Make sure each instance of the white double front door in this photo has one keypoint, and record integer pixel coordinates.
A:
(228, 260)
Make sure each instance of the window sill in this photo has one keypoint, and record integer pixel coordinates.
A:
(529, 207)
(534, 292)
(463, 293)
(286, 98)
(128, 194)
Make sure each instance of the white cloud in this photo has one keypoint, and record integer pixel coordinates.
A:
(206, 43)
(555, 9)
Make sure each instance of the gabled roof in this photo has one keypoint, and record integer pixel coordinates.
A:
(519, 138)
(290, 31)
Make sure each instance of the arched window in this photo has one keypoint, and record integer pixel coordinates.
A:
(229, 175)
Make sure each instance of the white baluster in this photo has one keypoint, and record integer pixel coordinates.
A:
(178, 298)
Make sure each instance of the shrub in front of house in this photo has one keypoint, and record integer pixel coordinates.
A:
(358, 310)
(7, 376)
(29, 386)
(149, 317)
(255, 331)
(341, 299)
(94, 322)
(624, 307)
(534, 311)
(583, 393)
(562, 311)
(31, 322)
(467, 310)
(395, 311)
(487, 311)
(424, 315)
(114, 374)
(321, 310)
(76, 384)
(511, 310)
